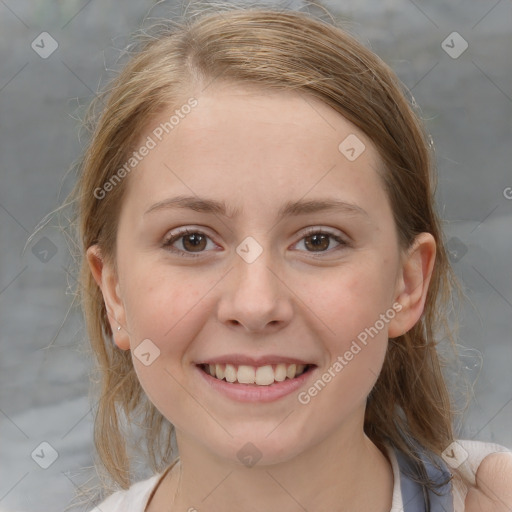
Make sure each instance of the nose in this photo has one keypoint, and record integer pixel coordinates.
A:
(255, 296)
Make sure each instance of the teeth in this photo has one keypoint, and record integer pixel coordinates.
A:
(246, 374)
(230, 373)
(262, 375)
(290, 371)
(280, 372)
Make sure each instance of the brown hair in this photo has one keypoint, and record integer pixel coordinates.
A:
(281, 50)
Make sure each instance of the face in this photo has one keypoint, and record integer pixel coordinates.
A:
(250, 287)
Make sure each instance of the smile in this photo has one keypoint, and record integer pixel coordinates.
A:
(258, 375)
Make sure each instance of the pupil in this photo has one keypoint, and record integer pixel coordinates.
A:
(317, 241)
(194, 239)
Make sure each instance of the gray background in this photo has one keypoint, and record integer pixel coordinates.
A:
(467, 105)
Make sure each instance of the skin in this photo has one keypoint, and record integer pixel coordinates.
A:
(256, 150)
(493, 490)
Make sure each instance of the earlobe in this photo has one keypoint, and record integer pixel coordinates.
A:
(412, 284)
(107, 281)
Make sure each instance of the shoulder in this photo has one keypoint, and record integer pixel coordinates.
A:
(487, 469)
(493, 490)
(133, 499)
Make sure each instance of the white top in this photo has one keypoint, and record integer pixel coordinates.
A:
(136, 498)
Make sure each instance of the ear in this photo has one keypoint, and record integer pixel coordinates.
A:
(106, 278)
(412, 283)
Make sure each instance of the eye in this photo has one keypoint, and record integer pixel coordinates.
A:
(194, 242)
(319, 240)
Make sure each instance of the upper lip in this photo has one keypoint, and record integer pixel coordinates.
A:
(241, 359)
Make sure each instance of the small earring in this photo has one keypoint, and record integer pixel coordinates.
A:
(118, 327)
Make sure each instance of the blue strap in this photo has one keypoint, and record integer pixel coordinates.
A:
(413, 493)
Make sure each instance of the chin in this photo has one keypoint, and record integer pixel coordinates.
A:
(260, 448)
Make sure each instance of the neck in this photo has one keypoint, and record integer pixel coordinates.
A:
(342, 473)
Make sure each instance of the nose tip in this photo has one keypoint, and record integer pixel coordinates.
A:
(255, 296)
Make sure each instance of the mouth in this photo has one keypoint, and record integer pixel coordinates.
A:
(266, 375)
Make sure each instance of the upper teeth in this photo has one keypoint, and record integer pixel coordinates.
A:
(261, 375)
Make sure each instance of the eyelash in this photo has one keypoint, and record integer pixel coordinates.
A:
(167, 243)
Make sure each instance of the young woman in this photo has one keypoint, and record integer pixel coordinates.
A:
(264, 276)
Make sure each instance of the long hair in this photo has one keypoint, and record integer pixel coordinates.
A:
(273, 49)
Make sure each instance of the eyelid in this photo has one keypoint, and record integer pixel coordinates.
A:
(316, 229)
(338, 236)
(174, 237)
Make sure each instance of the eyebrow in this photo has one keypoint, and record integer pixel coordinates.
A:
(300, 207)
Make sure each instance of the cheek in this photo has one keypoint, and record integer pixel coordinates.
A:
(164, 307)
(348, 300)
(354, 338)
(160, 305)
(354, 308)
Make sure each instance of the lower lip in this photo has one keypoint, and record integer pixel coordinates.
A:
(254, 392)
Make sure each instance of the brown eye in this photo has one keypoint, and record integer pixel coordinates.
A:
(191, 242)
(194, 242)
(319, 241)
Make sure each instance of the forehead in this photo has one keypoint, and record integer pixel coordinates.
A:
(249, 146)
